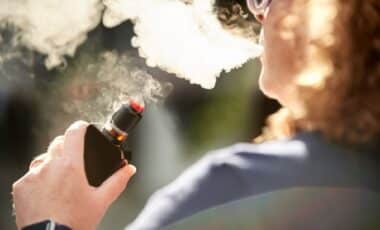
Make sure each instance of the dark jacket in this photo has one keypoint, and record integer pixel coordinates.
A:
(245, 170)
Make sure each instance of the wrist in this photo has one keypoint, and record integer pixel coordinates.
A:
(46, 225)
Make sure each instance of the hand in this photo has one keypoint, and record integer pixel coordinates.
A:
(56, 187)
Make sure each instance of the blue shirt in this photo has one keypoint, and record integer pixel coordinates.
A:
(245, 170)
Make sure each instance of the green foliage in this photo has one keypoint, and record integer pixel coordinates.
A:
(224, 118)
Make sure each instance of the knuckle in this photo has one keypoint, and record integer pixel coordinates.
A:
(16, 186)
(81, 123)
(43, 169)
(56, 142)
(67, 165)
(35, 163)
(55, 147)
(70, 131)
(60, 138)
(40, 157)
(76, 126)
(30, 177)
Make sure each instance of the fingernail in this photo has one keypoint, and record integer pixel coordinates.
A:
(132, 169)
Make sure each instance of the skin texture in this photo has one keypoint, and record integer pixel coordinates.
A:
(55, 187)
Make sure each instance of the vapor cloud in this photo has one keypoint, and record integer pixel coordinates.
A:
(181, 37)
(52, 27)
(99, 88)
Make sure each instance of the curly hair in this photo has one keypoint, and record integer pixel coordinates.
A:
(235, 17)
(346, 107)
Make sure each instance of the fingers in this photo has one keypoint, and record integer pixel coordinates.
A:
(56, 146)
(37, 160)
(74, 140)
(110, 190)
(55, 149)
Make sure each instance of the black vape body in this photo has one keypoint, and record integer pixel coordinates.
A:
(103, 152)
(101, 157)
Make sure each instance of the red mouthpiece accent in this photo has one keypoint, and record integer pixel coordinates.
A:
(136, 106)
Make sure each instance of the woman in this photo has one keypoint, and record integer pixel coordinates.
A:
(321, 62)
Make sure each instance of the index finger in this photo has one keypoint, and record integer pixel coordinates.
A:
(73, 145)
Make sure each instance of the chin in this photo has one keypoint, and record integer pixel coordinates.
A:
(274, 86)
(268, 86)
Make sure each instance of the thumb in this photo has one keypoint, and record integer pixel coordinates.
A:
(111, 189)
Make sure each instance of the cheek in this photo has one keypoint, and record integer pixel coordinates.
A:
(267, 85)
(283, 42)
(278, 70)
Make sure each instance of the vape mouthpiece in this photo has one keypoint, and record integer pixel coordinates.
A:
(123, 121)
(136, 105)
(127, 116)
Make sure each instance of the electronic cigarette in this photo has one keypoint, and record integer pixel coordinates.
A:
(103, 154)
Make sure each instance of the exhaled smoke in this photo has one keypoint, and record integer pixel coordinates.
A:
(181, 37)
(98, 89)
(16, 61)
(52, 27)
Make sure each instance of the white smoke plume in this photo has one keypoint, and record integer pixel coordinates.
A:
(98, 89)
(52, 27)
(184, 38)
(181, 37)
(15, 60)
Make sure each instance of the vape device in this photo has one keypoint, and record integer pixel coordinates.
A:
(103, 154)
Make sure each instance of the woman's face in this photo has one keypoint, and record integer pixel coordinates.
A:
(286, 38)
(282, 36)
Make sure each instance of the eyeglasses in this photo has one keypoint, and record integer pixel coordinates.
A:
(258, 7)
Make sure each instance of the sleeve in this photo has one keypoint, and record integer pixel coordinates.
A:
(222, 176)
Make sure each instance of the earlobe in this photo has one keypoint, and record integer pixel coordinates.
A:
(259, 18)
